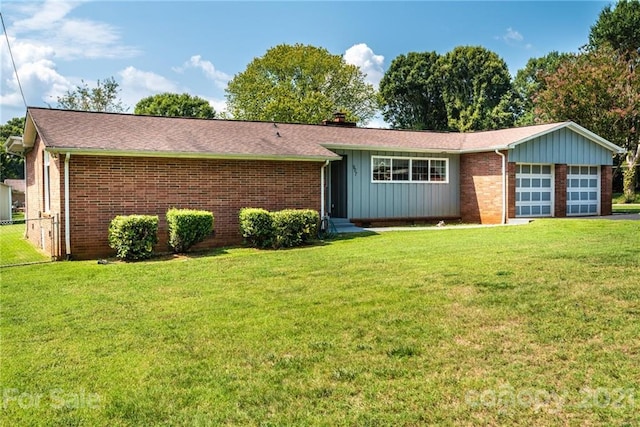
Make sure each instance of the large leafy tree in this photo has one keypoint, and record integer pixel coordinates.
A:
(477, 89)
(530, 80)
(618, 27)
(11, 166)
(601, 90)
(411, 93)
(102, 97)
(300, 83)
(175, 105)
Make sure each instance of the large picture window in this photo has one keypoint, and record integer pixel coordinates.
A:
(409, 169)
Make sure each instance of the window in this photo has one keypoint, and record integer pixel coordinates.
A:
(409, 169)
(45, 173)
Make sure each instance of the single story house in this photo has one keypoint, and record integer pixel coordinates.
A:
(18, 187)
(84, 168)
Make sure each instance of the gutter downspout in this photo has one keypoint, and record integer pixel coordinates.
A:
(504, 186)
(322, 180)
(67, 227)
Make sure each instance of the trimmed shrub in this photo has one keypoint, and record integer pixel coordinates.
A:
(256, 226)
(293, 227)
(133, 236)
(188, 227)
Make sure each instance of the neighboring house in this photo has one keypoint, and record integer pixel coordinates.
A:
(18, 187)
(5, 203)
(84, 168)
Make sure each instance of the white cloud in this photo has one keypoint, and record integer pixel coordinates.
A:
(41, 35)
(371, 64)
(219, 78)
(512, 36)
(137, 84)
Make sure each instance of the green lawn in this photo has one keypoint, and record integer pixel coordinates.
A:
(530, 325)
(618, 198)
(14, 249)
(626, 208)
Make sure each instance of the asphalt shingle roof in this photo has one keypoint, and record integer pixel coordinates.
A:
(110, 132)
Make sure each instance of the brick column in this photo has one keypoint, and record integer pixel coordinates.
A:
(560, 185)
(606, 189)
(481, 188)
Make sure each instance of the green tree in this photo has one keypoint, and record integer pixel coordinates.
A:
(618, 27)
(411, 93)
(530, 80)
(175, 105)
(477, 89)
(601, 90)
(300, 83)
(103, 97)
(11, 166)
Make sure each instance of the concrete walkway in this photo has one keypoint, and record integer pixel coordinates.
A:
(348, 227)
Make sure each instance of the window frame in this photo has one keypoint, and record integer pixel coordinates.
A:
(410, 180)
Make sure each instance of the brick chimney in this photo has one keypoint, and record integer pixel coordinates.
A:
(339, 119)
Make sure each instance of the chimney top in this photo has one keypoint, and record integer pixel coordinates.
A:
(339, 119)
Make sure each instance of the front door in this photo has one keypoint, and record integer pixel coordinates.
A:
(338, 198)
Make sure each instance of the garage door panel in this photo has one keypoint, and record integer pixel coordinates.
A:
(534, 189)
(583, 190)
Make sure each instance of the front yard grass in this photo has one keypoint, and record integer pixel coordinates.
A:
(15, 249)
(529, 325)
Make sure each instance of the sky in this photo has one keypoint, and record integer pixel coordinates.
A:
(196, 47)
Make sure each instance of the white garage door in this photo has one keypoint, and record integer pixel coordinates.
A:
(583, 190)
(534, 190)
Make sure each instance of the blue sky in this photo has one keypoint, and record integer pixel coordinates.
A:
(196, 47)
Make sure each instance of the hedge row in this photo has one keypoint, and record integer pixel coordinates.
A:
(282, 229)
(134, 236)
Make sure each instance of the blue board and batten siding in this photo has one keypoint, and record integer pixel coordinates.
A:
(366, 199)
(561, 147)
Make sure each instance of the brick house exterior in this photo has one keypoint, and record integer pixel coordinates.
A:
(120, 164)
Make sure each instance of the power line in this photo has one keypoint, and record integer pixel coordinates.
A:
(15, 70)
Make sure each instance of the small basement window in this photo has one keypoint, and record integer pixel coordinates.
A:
(391, 169)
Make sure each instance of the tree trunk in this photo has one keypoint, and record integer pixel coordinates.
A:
(629, 176)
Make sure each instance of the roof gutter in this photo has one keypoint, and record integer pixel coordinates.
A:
(189, 155)
(67, 216)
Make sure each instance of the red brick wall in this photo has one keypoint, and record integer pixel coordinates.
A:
(481, 188)
(560, 191)
(39, 220)
(606, 189)
(103, 187)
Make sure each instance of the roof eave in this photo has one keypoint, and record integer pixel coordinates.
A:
(576, 128)
(334, 146)
(190, 155)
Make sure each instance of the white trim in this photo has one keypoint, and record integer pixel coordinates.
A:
(338, 146)
(46, 173)
(410, 172)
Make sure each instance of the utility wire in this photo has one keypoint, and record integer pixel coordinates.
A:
(15, 70)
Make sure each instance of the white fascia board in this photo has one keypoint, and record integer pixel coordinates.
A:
(187, 155)
(387, 148)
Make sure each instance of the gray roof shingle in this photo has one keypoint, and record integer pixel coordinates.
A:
(111, 133)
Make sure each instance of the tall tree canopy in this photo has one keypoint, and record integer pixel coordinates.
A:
(11, 166)
(300, 83)
(601, 90)
(175, 105)
(411, 93)
(477, 89)
(618, 27)
(103, 97)
(530, 80)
